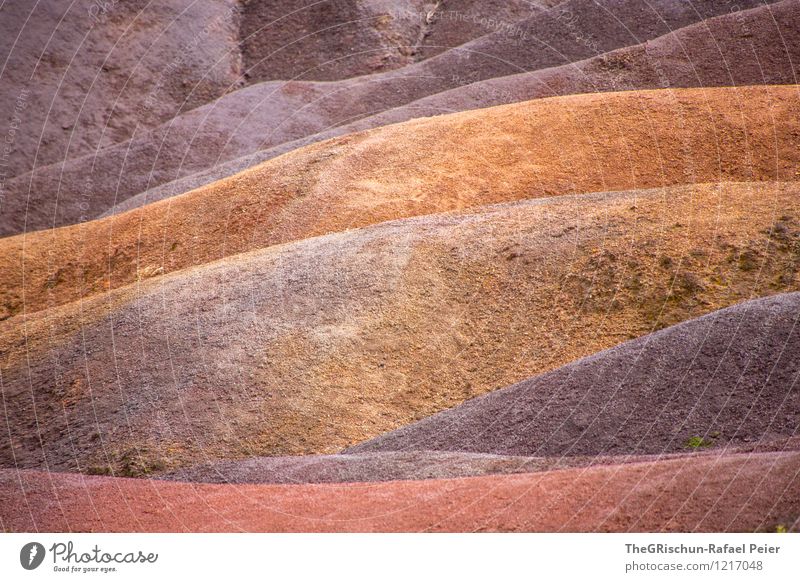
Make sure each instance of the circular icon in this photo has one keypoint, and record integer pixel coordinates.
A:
(31, 555)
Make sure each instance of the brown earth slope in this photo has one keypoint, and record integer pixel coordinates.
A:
(322, 343)
(266, 115)
(703, 494)
(540, 148)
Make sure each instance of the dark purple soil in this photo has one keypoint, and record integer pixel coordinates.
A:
(85, 74)
(336, 39)
(730, 377)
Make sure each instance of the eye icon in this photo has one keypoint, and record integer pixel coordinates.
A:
(31, 555)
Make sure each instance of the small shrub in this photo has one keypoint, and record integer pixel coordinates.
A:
(697, 442)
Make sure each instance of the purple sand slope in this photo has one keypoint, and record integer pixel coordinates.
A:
(85, 74)
(389, 466)
(330, 40)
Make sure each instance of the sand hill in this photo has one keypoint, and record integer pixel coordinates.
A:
(315, 345)
(728, 377)
(275, 113)
(731, 493)
(540, 148)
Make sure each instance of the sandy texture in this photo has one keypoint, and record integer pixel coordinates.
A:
(734, 49)
(729, 377)
(716, 494)
(400, 265)
(338, 39)
(389, 466)
(540, 148)
(95, 73)
(271, 114)
(422, 464)
(85, 74)
(319, 344)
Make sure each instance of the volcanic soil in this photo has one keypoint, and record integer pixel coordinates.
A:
(540, 148)
(269, 114)
(89, 74)
(255, 280)
(751, 492)
(84, 74)
(702, 54)
(424, 464)
(731, 376)
(319, 344)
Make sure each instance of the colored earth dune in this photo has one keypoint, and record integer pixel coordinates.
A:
(400, 265)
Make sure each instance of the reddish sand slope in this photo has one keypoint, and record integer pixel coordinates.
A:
(264, 116)
(539, 148)
(752, 492)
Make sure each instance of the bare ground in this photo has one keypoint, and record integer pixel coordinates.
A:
(316, 345)
(422, 464)
(540, 148)
(729, 50)
(727, 493)
(274, 113)
(728, 377)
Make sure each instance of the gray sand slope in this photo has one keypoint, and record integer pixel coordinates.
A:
(417, 465)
